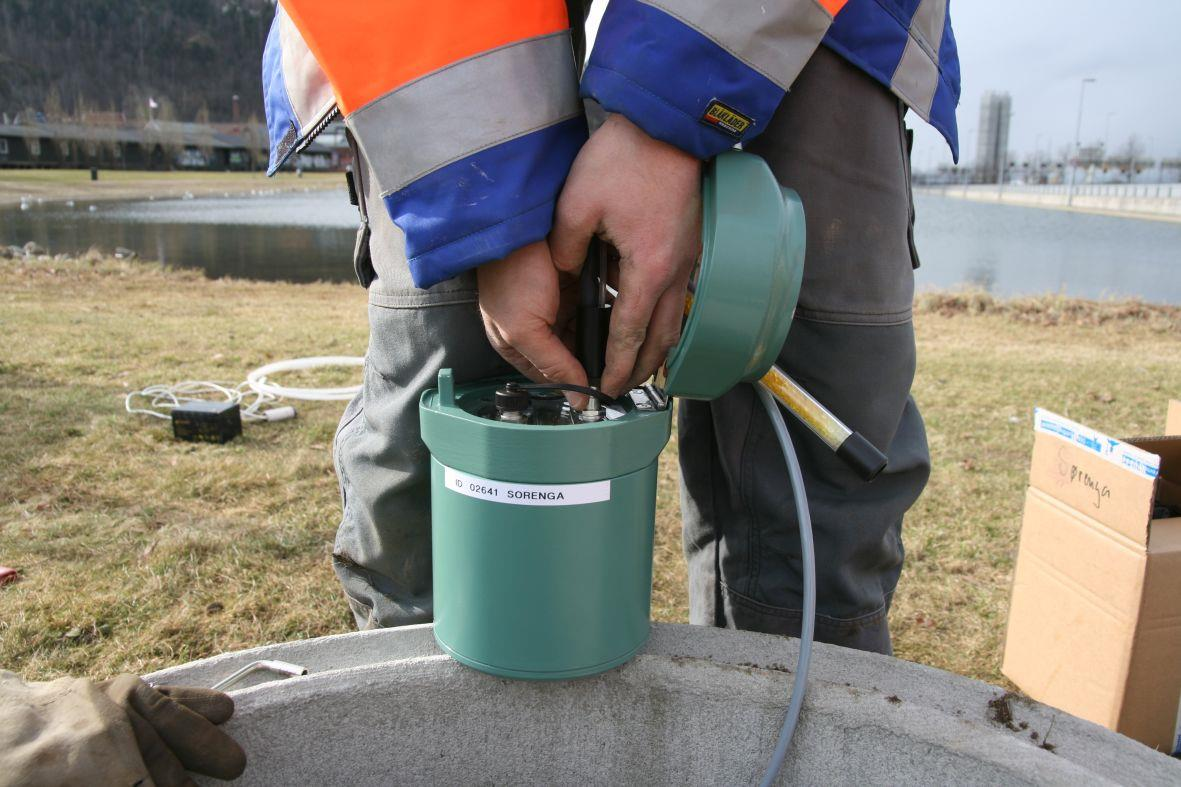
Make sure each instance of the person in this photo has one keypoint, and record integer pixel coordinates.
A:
(74, 731)
(479, 192)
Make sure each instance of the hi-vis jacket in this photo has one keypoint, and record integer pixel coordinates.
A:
(469, 114)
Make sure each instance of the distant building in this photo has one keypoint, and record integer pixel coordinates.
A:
(992, 142)
(113, 144)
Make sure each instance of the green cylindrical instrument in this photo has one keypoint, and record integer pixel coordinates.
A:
(541, 530)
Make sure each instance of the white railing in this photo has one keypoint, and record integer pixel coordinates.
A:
(1148, 200)
(1113, 190)
(1117, 190)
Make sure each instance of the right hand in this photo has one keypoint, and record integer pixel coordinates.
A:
(642, 196)
(527, 312)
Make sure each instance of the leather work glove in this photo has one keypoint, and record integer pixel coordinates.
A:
(73, 731)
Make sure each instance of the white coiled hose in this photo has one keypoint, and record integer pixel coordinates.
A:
(253, 396)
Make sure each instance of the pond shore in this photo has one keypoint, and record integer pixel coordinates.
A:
(1148, 202)
(137, 551)
(60, 185)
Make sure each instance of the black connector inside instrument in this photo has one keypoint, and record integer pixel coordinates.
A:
(594, 316)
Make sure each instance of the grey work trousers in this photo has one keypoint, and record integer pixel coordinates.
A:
(839, 140)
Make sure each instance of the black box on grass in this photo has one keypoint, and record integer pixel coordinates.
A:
(207, 422)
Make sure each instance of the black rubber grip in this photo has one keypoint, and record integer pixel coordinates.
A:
(593, 320)
(862, 457)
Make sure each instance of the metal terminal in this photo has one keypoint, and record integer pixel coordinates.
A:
(641, 400)
(283, 668)
(657, 395)
(593, 411)
(648, 398)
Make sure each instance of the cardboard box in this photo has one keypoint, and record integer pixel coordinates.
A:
(1095, 619)
(1173, 425)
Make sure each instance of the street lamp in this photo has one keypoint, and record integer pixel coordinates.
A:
(1078, 144)
(1037, 160)
(975, 161)
(1002, 163)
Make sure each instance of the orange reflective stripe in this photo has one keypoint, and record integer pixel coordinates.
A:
(833, 7)
(369, 48)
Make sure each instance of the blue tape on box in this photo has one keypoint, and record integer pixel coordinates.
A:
(1115, 451)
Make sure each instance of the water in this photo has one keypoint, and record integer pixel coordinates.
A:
(297, 236)
(1009, 250)
(1004, 249)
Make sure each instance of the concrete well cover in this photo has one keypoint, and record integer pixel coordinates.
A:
(698, 706)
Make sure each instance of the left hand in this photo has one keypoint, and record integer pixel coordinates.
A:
(528, 313)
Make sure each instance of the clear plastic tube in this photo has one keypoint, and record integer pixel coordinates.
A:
(804, 406)
(808, 557)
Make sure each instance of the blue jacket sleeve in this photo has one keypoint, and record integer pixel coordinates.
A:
(702, 75)
(466, 114)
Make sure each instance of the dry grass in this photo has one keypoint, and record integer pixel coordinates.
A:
(147, 552)
(158, 551)
(983, 365)
(64, 184)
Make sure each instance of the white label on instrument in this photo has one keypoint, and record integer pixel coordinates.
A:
(526, 494)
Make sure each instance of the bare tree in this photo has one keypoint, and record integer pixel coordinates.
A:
(196, 51)
(52, 106)
(1129, 156)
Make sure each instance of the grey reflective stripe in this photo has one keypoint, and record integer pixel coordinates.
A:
(467, 107)
(307, 86)
(774, 37)
(916, 78)
(917, 75)
(927, 24)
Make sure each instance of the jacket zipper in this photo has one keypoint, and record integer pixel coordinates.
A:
(317, 129)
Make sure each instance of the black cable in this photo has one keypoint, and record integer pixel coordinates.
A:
(582, 389)
(593, 317)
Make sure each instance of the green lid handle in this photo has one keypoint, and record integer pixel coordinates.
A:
(446, 388)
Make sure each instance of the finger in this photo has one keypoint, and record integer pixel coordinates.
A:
(215, 706)
(613, 277)
(630, 316)
(569, 239)
(199, 745)
(508, 353)
(664, 331)
(549, 356)
(163, 766)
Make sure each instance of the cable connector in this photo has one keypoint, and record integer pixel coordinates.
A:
(284, 413)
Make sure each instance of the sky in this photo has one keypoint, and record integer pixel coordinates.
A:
(1039, 51)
